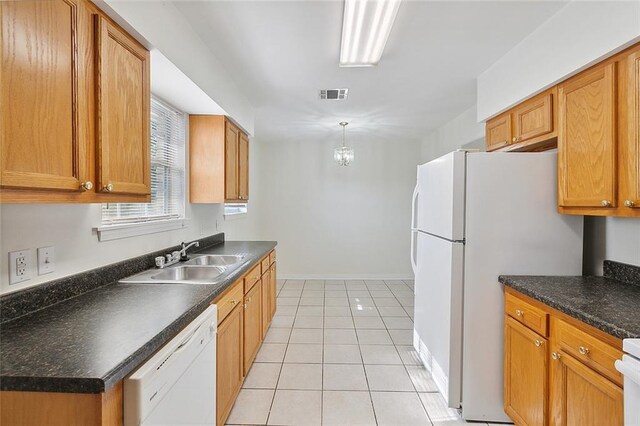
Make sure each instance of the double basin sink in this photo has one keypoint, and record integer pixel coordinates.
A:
(200, 269)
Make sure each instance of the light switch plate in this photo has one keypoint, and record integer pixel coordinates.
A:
(19, 266)
(46, 260)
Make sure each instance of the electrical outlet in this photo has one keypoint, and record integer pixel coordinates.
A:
(19, 266)
(46, 260)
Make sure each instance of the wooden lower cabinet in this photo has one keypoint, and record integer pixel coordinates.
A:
(273, 283)
(580, 396)
(525, 390)
(546, 383)
(266, 301)
(230, 366)
(252, 324)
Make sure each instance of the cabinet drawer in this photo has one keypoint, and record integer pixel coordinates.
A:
(527, 314)
(229, 300)
(588, 349)
(272, 257)
(251, 278)
(265, 264)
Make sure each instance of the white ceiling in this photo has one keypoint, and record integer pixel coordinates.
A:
(283, 52)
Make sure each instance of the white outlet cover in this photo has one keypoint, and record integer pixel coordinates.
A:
(14, 256)
(46, 260)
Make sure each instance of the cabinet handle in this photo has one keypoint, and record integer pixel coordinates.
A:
(519, 312)
(555, 355)
(629, 203)
(232, 301)
(516, 138)
(605, 203)
(583, 350)
(108, 187)
(86, 186)
(537, 342)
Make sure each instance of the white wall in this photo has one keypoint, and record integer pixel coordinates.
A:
(462, 131)
(332, 221)
(577, 36)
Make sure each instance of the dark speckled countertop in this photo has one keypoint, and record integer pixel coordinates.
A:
(611, 305)
(88, 343)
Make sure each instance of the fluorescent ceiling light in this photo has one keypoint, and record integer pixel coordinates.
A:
(366, 25)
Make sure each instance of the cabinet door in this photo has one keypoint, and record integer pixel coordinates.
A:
(229, 363)
(252, 324)
(243, 167)
(525, 374)
(630, 150)
(39, 78)
(266, 301)
(231, 141)
(498, 132)
(534, 118)
(582, 397)
(123, 112)
(587, 139)
(273, 284)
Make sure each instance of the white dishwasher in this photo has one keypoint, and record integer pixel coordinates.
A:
(629, 366)
(177, 385)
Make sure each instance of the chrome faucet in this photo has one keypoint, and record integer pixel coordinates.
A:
(185, 247)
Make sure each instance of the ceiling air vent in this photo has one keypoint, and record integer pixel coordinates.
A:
(334, 94)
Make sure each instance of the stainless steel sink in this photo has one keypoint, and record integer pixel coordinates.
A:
(215, 260)
(189, 273)
(183, 274)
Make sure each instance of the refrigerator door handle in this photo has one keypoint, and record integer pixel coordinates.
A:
(414, 231)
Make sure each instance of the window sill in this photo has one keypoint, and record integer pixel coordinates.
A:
(115, 232)
(234, 216)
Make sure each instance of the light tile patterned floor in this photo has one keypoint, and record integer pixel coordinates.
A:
(340, 353)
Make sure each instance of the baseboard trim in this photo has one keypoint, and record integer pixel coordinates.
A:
(343, 277)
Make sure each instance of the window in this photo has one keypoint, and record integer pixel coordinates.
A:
(167, 173)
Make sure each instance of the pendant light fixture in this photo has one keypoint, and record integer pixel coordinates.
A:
(344, 154)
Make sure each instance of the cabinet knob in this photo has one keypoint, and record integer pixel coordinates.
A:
(86, 186)
(232, 301)
(605, 203)
(516, 138)
(519, 312)
(555, 355)
(629, 203)
(108, 187)
(537, 342)
(583, 350)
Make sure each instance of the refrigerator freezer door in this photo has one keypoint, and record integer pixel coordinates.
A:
(438, 312)
(440, 197)
(512, 228)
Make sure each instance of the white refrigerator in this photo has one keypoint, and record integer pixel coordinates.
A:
(476, 216)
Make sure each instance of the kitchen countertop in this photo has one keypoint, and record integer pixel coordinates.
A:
(88, 343)
(609, 305)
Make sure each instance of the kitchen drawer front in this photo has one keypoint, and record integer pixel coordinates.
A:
(265, 264)
(252, 278)
(230, 300)
(588, 349)
(534, 318)
(272, 257)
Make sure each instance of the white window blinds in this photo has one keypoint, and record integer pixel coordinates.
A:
(167, 172)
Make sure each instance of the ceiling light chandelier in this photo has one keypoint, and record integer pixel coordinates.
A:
(343, 155)
(366, 25)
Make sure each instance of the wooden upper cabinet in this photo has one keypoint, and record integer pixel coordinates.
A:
(39, 96)
(498, 132)
(243, 167)
(587, 139)
(525, 374)
(124, 105)
(232, 136)
(630, 143)
(218, 160)
(534, 118)
(582, 397)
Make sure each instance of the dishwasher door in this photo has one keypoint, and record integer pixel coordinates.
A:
(177, 385)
